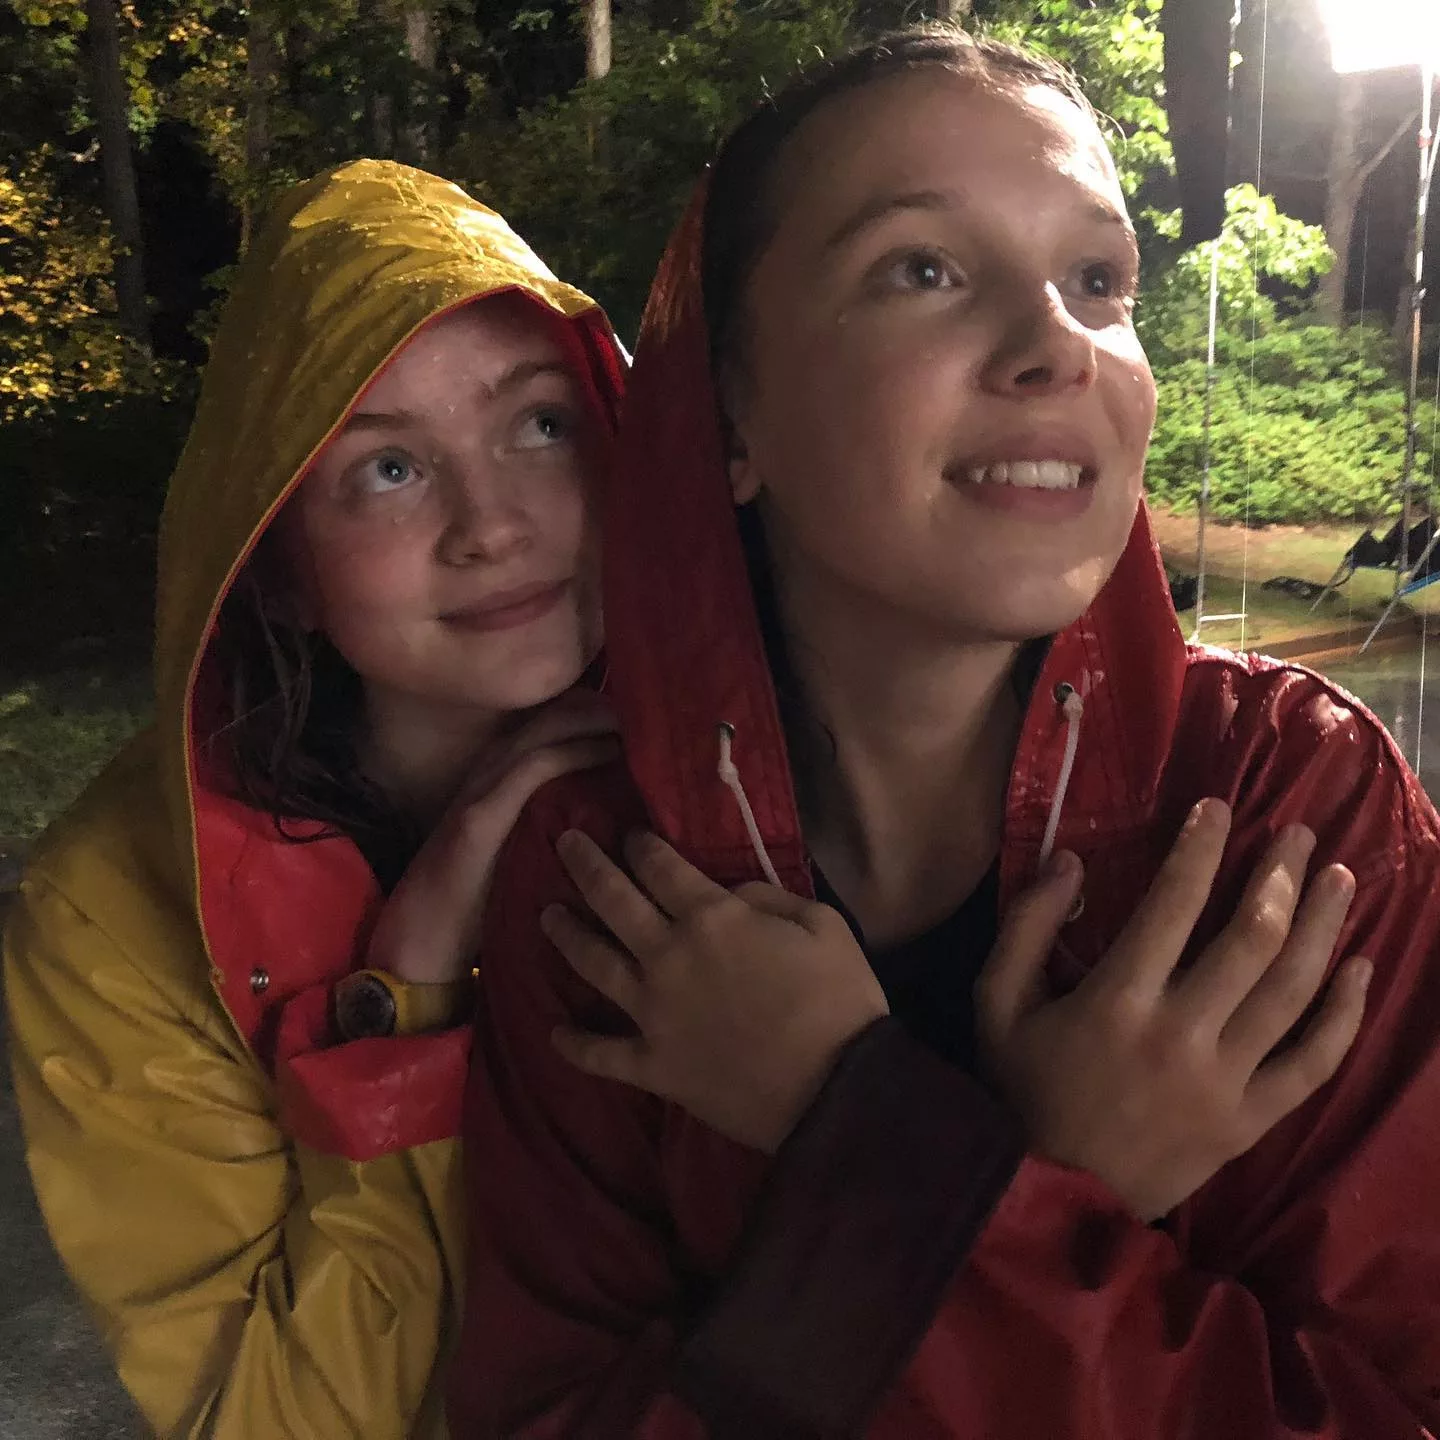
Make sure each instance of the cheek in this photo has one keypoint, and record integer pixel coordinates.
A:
(367, 579)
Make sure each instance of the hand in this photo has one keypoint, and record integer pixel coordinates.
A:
(743, 999)
(1153, 1080)
(429, 930)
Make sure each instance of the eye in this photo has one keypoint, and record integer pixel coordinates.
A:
(1102, 280)
(920, 270)
(381, 474)
(551, 425)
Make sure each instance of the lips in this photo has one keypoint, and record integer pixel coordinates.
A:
(509, 608)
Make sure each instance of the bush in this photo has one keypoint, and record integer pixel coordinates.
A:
(1309, 425)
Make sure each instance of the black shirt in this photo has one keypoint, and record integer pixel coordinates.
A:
(929, 981)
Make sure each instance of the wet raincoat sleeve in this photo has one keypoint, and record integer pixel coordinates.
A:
(247, 1285)
(1298, 1294)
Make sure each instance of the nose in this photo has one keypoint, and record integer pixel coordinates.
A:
(1044, 350)
(485, 524)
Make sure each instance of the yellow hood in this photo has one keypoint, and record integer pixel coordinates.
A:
(346, 269)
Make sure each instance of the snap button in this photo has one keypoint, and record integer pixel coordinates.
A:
(259, 981)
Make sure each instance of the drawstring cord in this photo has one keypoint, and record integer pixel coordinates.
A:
(730, 777)
(1070, 703)
(1074, 708)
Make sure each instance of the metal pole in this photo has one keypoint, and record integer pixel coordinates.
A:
(1205, 452)
(1204, 507)
(1417, 302)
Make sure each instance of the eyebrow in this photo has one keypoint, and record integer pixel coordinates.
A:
(516, 376)
(883, 206)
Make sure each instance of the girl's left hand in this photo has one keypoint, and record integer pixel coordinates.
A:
(743, 999)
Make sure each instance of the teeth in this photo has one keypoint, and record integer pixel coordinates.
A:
(1029, 474)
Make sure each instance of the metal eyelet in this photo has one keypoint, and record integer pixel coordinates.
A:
(259, 981)
(1063, 691)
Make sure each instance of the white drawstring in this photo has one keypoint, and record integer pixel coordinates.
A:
(730, 777)
(1074, 708)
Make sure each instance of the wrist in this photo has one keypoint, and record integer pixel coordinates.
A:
(375, 1003)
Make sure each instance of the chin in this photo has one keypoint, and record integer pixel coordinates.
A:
(542, 678)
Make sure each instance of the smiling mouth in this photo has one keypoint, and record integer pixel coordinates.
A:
(1029, 474)
(508, 610)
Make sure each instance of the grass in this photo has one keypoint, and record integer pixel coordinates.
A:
(1238, 562)
(57, 730)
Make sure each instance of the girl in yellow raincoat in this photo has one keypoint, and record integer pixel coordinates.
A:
(236, 967)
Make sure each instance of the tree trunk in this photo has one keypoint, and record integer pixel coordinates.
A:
(117, 166)
(1342, 195)
(420, 50)
(597, 39)
(261, 56)
(1345, 179)
(955, 11)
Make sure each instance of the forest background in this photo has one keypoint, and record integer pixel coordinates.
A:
(141, 140)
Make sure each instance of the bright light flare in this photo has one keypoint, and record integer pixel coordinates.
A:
(1382, 34)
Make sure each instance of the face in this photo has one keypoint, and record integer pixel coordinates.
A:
(441, 539)
(940, 399)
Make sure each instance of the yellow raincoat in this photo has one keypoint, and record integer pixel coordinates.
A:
(264, 1223)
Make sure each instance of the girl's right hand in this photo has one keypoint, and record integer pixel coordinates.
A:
(429, 930)
(1153, 1080)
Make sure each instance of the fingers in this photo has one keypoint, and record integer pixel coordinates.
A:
(783, 905)
(675, 884)
(609, 1057)
(1290, 1079)
(576, 715)
(595, 960)
(615, 899)
(1284, 991)
(496, 811)
(1240, 955)
(1013, 978)
(1142, 959)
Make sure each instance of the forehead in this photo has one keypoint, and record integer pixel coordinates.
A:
(476, 344)
(935, 129)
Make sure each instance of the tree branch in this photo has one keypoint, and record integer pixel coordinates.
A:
(1368, 168)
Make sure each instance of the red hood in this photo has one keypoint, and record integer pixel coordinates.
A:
(686, 653)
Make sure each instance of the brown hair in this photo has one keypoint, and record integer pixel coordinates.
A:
(740, 211)
(292, 707)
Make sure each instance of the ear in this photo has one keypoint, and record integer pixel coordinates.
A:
(744, 478)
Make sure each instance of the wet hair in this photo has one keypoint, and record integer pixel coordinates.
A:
(741, 216)
(290, 711)
(740, 208)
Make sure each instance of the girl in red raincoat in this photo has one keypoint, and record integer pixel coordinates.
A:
(886, 625)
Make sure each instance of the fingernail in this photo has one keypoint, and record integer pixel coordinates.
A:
(1062, 865)
(1341, 883)
(1365, 973)
(549, 916)
(567, 844)
(1207, 809)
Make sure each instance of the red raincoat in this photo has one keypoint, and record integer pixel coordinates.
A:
(901, 1269)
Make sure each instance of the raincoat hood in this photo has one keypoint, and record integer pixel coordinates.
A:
(347, 269)
(685, 649)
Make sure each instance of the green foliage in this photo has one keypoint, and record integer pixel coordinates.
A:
(1115, 47)
(1308, 421)
(596, 178)
(1286, 254)
(58, 337)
